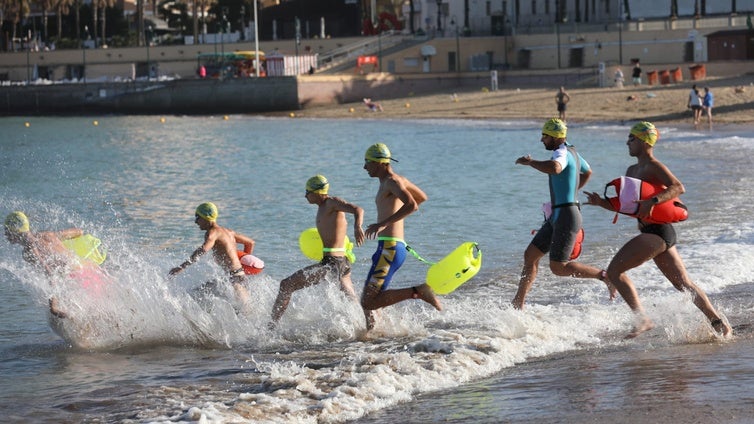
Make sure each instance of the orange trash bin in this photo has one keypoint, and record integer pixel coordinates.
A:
(664, 77)
(698, 72)
(676, 74)
(652, 77)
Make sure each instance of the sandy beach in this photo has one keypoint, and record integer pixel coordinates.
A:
(734, 104)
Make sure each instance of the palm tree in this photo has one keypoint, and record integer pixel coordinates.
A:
(101, 5)
(17, 9)
(46, 5)
(62, 7)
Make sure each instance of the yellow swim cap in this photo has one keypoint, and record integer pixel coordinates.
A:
(17, 222)
(378, 153)
(317, 184)
(555, 128)
(646, 132)
(208, 211)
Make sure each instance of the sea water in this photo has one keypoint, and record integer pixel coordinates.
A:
(147, 350)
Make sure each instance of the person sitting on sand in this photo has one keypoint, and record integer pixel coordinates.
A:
(372, 106)
(656, 241)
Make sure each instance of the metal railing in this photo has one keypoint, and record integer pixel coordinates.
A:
(350, 52)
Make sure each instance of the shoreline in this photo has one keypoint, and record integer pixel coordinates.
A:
(734, 104)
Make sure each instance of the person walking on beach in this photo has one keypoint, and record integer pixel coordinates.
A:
(707, 103)
(332, 228)
(223, 244)
(561, 99)
(656, 241)
(44, 250)
(618, 77)
(636, 74)
(396, 199)
(695, 104)
(567, 172)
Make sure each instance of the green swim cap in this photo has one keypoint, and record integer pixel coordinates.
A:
(646, 132)
(378, 153)
(317, 184)
(208, 211)
(17, 222)
(555, 128)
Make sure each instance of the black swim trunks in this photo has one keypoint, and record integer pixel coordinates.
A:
(237, 276)
(665, 231)
(338, 265)
(559, 237)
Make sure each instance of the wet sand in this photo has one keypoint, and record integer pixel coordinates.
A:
(734, 104)
(635, 383)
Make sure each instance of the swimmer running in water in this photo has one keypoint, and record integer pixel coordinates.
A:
(656, 241)
(332, 228)
(223, 244)
(397, 198)
(44, 250)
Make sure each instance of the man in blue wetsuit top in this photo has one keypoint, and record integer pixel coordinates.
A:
(567, 172)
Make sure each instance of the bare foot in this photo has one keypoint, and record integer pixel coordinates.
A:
(371, 319)
(428, 295)
(722, 327)
(54, 310)
(517, 303)
(610, 287)
(645, 324)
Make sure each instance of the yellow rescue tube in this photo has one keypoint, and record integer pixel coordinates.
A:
(86, 247)
(311, 245)
(455, 269)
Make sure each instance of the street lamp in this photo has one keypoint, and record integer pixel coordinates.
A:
(148, 42)
(28, 63)
(83, 52)
(222, 38)
(620, 35)
(557, 27)
(298, 41)
(256, 39)
(458, 44)
(378, 27)
(439, 16)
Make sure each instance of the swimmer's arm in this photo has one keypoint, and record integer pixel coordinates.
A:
(70, 233)
(417, 193)
(358, 214)
(584, 177)
(674, 188)
(248, 242)
(597, 200)
(193, 258)
(410, 205)
(545, 166)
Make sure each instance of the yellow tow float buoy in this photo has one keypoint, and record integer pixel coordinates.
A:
(86, 247)
(311, 245)
(455, 269)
